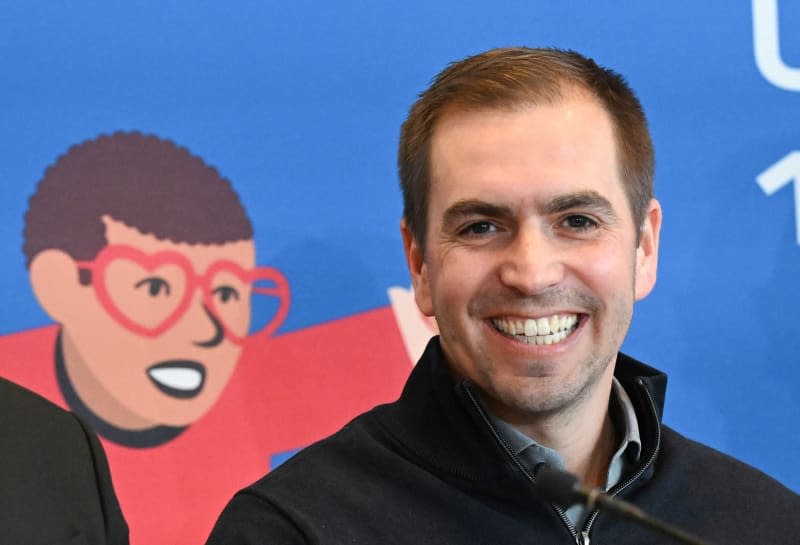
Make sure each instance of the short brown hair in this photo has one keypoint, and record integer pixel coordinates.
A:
(508, 78)
(144, 181)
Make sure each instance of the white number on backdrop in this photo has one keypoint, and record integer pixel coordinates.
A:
(766, 44)
(782, 173)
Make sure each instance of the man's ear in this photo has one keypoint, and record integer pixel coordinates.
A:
(54, 278)
(647, 252)
(418, 269)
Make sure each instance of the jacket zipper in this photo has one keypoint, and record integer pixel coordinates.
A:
(618, 488)
(581, 538)
(514, 458)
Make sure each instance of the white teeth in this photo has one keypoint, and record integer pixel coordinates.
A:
(180, 378)
(543, 326)
(530, 328)
(546, 330)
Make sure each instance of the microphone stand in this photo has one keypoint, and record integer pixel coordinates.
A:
(564, 489)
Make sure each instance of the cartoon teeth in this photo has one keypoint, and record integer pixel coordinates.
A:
(178, 378)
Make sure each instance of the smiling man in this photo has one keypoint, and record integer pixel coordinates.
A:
(530, 230)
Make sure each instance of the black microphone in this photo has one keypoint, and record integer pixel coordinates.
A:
(564, 489)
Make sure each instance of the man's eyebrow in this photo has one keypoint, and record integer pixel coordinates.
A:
(583, 199)
(473, 207)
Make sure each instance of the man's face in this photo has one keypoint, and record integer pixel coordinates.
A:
(138, 381)
(531, 266)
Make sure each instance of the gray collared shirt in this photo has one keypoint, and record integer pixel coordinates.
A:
(623, 416)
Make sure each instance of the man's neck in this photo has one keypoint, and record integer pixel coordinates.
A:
(583, 435)
(592, 469)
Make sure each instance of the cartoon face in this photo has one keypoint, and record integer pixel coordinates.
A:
(532, 263)
(155, 336)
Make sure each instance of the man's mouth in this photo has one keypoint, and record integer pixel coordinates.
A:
(545, 330)
(178, 378)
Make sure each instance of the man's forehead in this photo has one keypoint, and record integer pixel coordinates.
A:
(566, 132)
(578, 107)
(552, 168)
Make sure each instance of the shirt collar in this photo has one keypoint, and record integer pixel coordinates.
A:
(625, 422)
(627, 425)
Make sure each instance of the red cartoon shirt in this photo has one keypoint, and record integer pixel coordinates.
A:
(286, 392)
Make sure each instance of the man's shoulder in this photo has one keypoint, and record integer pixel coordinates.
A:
(359, 452)
(55, 479)
(325, 489)
(328, 459)
(32, 427)
(710, 473)
(18, 405)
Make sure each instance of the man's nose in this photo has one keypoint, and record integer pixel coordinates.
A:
(532, 261)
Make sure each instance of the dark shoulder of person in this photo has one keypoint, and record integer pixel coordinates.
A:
(718, 496)
(55, 485)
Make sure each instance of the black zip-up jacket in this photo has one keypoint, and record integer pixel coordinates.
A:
(55, 486)
(430, 469)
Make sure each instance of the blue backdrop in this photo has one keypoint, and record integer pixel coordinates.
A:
(299, 104)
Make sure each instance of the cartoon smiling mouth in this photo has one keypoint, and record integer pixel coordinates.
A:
(183, 379)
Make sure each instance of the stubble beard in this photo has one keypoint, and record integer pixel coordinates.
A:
(538, 395)
(537, 398)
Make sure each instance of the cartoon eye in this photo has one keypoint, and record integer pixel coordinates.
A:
(226, 293)
(155, 286)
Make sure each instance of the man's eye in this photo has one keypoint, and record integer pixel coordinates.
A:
(478, 228)
(226, 293)
(580, 223)
(155, 286)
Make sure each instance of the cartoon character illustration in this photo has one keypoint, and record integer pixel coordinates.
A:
(163, 339)
(145, 257)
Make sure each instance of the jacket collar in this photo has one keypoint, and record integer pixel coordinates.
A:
(439, 422)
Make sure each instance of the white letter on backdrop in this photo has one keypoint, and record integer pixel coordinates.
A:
(766, 44)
